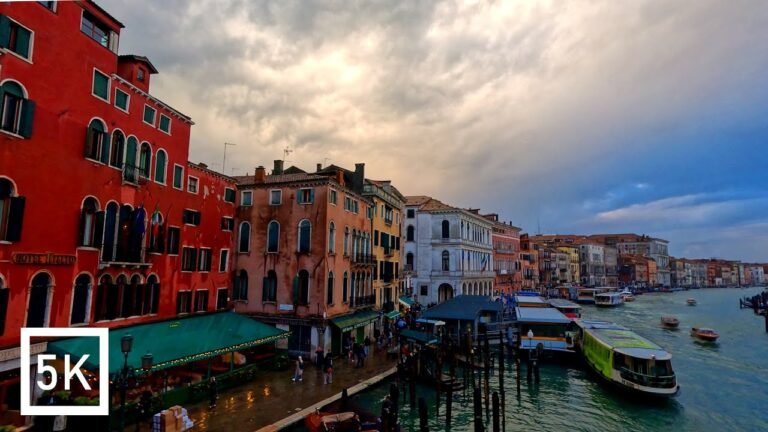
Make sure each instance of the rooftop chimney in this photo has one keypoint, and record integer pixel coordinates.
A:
(261, 174)
(358, 178)
(319, 167)
(202, 165)
(278, 169)
(340, 177)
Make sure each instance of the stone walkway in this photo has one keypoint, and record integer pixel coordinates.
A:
(273, 396)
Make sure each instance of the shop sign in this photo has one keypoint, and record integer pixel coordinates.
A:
(285, 307)
(43, 259)
(15, 353)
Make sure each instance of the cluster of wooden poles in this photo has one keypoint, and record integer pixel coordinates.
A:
(472, 359)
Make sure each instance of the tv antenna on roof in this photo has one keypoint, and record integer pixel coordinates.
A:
(286, 151)
(224, 162)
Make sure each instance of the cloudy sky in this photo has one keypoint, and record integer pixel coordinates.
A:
(578, 117)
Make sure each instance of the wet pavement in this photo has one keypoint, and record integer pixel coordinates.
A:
(273, 396)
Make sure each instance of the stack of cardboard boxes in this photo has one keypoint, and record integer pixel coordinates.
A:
(174, 419)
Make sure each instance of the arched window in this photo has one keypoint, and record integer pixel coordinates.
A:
(332, 238)
(152, 295)
(145, 160)
(17, 111)
(301, 295)
(91, 223)
(446, 229)
(4, 296)
(346, 241)
(409, 261)
(269, 292)
(273, 236)
(240, 291)
(38, 306)
(160, 166)
(244, 239)
(11, 212)
(156, 233)
(81, 300)
(102, 294)
(410, 233)
(110, 232)
(329, 300)
(97, 141)
(130, 169)
(305, 231)
(344, 288)
(117, 149)
(131, 293)
(354, 243)
(446, 261)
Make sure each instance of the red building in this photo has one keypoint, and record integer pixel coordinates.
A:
(529, 262)
(103, 222)
(506, 258)
(304, 260)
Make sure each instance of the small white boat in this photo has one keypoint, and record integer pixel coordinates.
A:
(627, 296)
(691, 302)
(612, 299)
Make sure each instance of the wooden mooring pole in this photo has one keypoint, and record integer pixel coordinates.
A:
(501, 381)
(478, 410)
(423, 425)
(487, 367)
(496, 423)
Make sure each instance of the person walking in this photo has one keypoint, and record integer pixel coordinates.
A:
(213, 393)
(299, 374)
(366, 344)
(328, 369)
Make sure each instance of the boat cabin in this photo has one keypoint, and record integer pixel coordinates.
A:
(546, 326)
(587, 295)
(567, 308)
(609, 299)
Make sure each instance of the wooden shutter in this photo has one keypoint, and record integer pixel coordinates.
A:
(27, 118)
(5, 31)
(98, 229)
(23, 37)
(90, 143)
(15, 219)
(160, 240)
(312, 195)
(296, 289)
(81, 230)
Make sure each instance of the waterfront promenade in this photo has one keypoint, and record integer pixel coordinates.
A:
(272, 396)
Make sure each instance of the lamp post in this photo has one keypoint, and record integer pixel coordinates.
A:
(126, 346)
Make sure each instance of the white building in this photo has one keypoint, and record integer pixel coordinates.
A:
(448, 250)
(757, 273)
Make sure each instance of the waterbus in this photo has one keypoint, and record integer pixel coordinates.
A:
(626, 360)
(567, 308)
(609, 299)
(545, 326)
(587, 295)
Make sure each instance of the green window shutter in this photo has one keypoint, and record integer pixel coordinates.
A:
(5, 31)
(265, 290)
(104, 147)
(100, 85)
(27, 118)
(15, 219)
(312, 195)
(296, 289)
(23, 37)
(98, 236)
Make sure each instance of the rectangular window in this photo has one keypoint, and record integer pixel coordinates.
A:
(174, 234)
(332, 197)
(410, 213)
(188, 259)
(50, 5)
(201, 300)
(178, 176)
(229, 195)
(192, 183)
(149, 115)
(306, 196)
(275, 197)
(375, 237)
(347, 203)
(355, 207)
(121, 99)
(183, 302)
(424, 290)
(223, 260)
(16, 38)
(221, 298)
(190, 217)
(100, 85)
(98, 32)
(227, 223)
(204, 260)
(246, 198)
(165, 124)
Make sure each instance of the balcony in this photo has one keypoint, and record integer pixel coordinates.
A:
(387, 277)
(130, 174)
(362, 301)
(126, 257)
(363, 259)
(388, 252)
(464, 273)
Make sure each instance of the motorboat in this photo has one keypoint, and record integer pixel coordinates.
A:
(691, 302)
(704, 334)
(627, 296)
(670, 322)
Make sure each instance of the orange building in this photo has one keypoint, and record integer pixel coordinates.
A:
(506, 255)
(303, 254)
(529, 263)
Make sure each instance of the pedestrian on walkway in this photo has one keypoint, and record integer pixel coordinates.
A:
(213, 393)
(319, 356)
(360, 355)
(366, 344)
(328, 369)
(299, 374)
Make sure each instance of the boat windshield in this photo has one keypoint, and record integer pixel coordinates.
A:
(646, 372)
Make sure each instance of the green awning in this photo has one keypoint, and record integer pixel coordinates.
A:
(392, 315)
(421, 337)
(175, 342)
(354, 320)
(406, 301)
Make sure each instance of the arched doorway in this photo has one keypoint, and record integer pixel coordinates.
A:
(444, 292)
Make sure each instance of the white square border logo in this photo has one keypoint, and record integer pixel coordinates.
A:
(67, 410)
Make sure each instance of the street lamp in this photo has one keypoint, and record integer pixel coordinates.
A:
(126, 346)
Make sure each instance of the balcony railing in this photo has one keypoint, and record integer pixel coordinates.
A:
(364, 259)
(407, 268)
(362, 301)
(125, 256)
(131, 174)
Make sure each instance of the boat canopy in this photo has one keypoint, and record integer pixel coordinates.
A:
(562, 303)
(530, 300)
(644, 353)
(430, 321)
(541, 315)
(623, 340)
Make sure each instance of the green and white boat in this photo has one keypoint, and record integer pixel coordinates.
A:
(627, 360)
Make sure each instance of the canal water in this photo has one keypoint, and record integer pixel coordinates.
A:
(724, 385)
